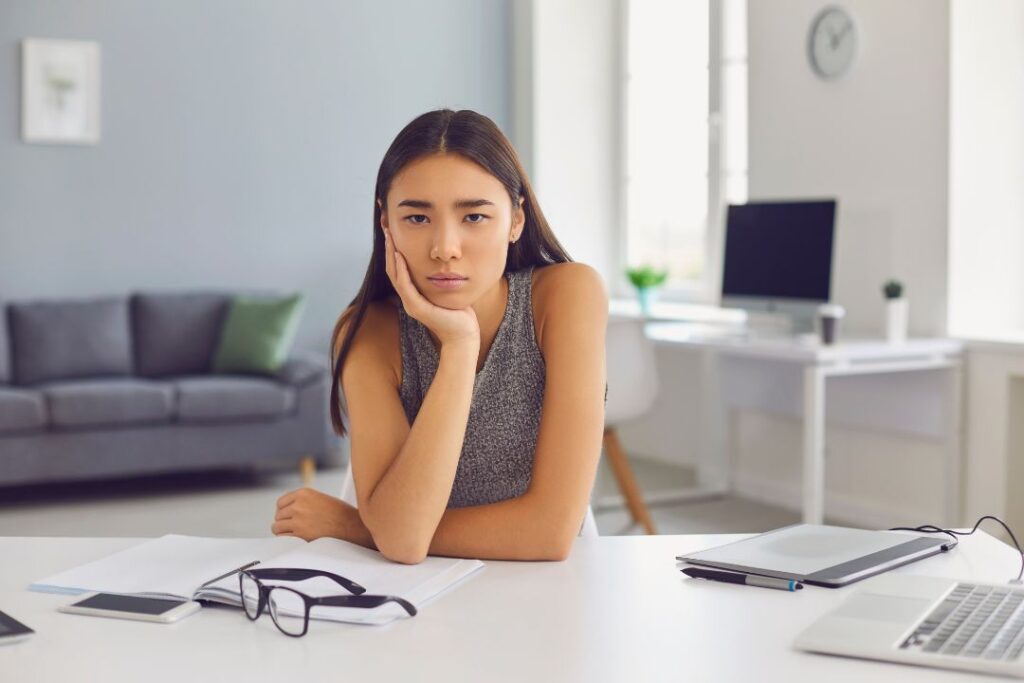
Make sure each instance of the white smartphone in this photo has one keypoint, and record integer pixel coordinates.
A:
(161, 610)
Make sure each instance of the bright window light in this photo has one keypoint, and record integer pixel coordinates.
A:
(675, 122)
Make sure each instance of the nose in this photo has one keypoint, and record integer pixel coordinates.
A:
(447, 242)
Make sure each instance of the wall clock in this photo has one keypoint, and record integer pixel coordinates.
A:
(832, 43)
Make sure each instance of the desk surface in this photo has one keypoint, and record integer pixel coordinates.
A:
(795, 349)
(617, 610)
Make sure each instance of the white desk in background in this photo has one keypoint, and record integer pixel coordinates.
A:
(721, 334)
(815, 363)
(617, 610)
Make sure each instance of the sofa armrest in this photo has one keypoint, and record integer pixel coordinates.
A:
(302, 369)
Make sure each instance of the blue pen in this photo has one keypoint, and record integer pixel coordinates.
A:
(747, 579)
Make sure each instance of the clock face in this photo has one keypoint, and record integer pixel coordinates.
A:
(832, 42)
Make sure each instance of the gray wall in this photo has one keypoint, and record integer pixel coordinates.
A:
(240, 140)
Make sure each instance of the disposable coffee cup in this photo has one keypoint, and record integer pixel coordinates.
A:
(830, 315)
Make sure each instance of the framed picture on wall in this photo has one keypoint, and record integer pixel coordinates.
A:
(60, 91)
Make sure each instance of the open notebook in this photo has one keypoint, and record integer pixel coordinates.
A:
(180, 566)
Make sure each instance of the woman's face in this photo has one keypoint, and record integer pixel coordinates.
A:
(453, 222)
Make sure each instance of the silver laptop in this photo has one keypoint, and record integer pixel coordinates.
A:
(927, 621)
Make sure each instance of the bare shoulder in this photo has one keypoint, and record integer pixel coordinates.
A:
(570, 293)
(375, 346)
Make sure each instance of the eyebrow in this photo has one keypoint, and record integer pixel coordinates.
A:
(460, 204)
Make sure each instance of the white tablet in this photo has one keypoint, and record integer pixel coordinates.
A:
(819, 555)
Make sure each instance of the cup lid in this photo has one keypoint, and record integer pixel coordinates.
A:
(831, 310)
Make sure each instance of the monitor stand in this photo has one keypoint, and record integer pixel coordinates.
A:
(776, 317)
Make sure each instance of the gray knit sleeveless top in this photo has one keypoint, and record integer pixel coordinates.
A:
(501, 435)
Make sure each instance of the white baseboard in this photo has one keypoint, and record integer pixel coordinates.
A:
(838, 507)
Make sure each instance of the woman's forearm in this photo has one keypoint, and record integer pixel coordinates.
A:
(404, 509)
(515, 529)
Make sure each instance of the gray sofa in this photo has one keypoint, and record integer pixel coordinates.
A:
(122, 386)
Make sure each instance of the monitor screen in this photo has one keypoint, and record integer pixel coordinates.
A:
(779, 250)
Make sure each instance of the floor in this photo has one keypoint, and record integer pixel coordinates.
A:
(242, 504)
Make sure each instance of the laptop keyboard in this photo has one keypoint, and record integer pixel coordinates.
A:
(976, 622)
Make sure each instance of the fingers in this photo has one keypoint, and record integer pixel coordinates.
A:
(287, 499)
(282, 527)
(389, 256)
(411, 297)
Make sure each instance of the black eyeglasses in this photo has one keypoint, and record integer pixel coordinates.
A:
(287, 604)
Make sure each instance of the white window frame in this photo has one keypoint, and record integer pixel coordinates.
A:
(708, 288)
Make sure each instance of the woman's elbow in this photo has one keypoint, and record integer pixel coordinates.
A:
(559, 553)
(393, 543)
(404, 556)
(557, 549)
(403, 551)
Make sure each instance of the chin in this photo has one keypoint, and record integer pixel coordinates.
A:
(453, 300)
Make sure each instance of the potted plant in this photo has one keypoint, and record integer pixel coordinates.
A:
(896, 312)
(646, 279)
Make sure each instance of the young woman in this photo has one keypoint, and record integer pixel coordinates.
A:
(471, 361)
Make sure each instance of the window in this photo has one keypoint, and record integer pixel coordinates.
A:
(684, 115)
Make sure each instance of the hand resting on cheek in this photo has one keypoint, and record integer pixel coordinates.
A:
(451, 326)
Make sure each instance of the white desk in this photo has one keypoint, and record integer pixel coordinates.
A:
(817, 363)
(617, 610)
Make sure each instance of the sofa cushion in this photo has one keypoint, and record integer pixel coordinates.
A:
(232, 398)
(21, 410)
(109, 402)
(257, 335)
(300, 370)
(5, 348)
(177, 334)
(69, 339)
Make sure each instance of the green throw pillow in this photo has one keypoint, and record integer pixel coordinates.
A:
(258, 334)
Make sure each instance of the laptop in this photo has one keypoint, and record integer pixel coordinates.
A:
(927, 621)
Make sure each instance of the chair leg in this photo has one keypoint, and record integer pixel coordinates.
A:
(307, 470)
(627, 481)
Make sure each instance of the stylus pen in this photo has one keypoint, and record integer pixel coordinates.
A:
(748, 579)
(233, 571)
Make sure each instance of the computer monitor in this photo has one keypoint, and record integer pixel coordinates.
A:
(778, 257)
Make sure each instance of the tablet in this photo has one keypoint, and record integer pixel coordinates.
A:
(820, 555)
(12, 630)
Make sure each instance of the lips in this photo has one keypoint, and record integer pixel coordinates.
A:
(448, 281)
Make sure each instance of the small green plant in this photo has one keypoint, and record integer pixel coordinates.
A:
(892, 289)
(646, 277)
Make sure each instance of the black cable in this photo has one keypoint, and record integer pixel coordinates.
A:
(932, 529)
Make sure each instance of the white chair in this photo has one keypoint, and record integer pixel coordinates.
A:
(632, 390)
(348, 495)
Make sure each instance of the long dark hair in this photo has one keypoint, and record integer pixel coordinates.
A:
(477, 138)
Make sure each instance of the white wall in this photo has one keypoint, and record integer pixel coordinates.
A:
(995, 440)
(986, 203)
(570, 137)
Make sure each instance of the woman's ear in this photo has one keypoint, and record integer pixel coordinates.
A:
(383, 215)
(518, 221)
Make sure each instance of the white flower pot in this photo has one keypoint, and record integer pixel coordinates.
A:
(896, 319)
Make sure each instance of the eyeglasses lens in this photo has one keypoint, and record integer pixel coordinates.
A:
(288, 610)
(250, 596)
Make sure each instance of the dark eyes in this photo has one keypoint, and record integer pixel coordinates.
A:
(423, 219)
